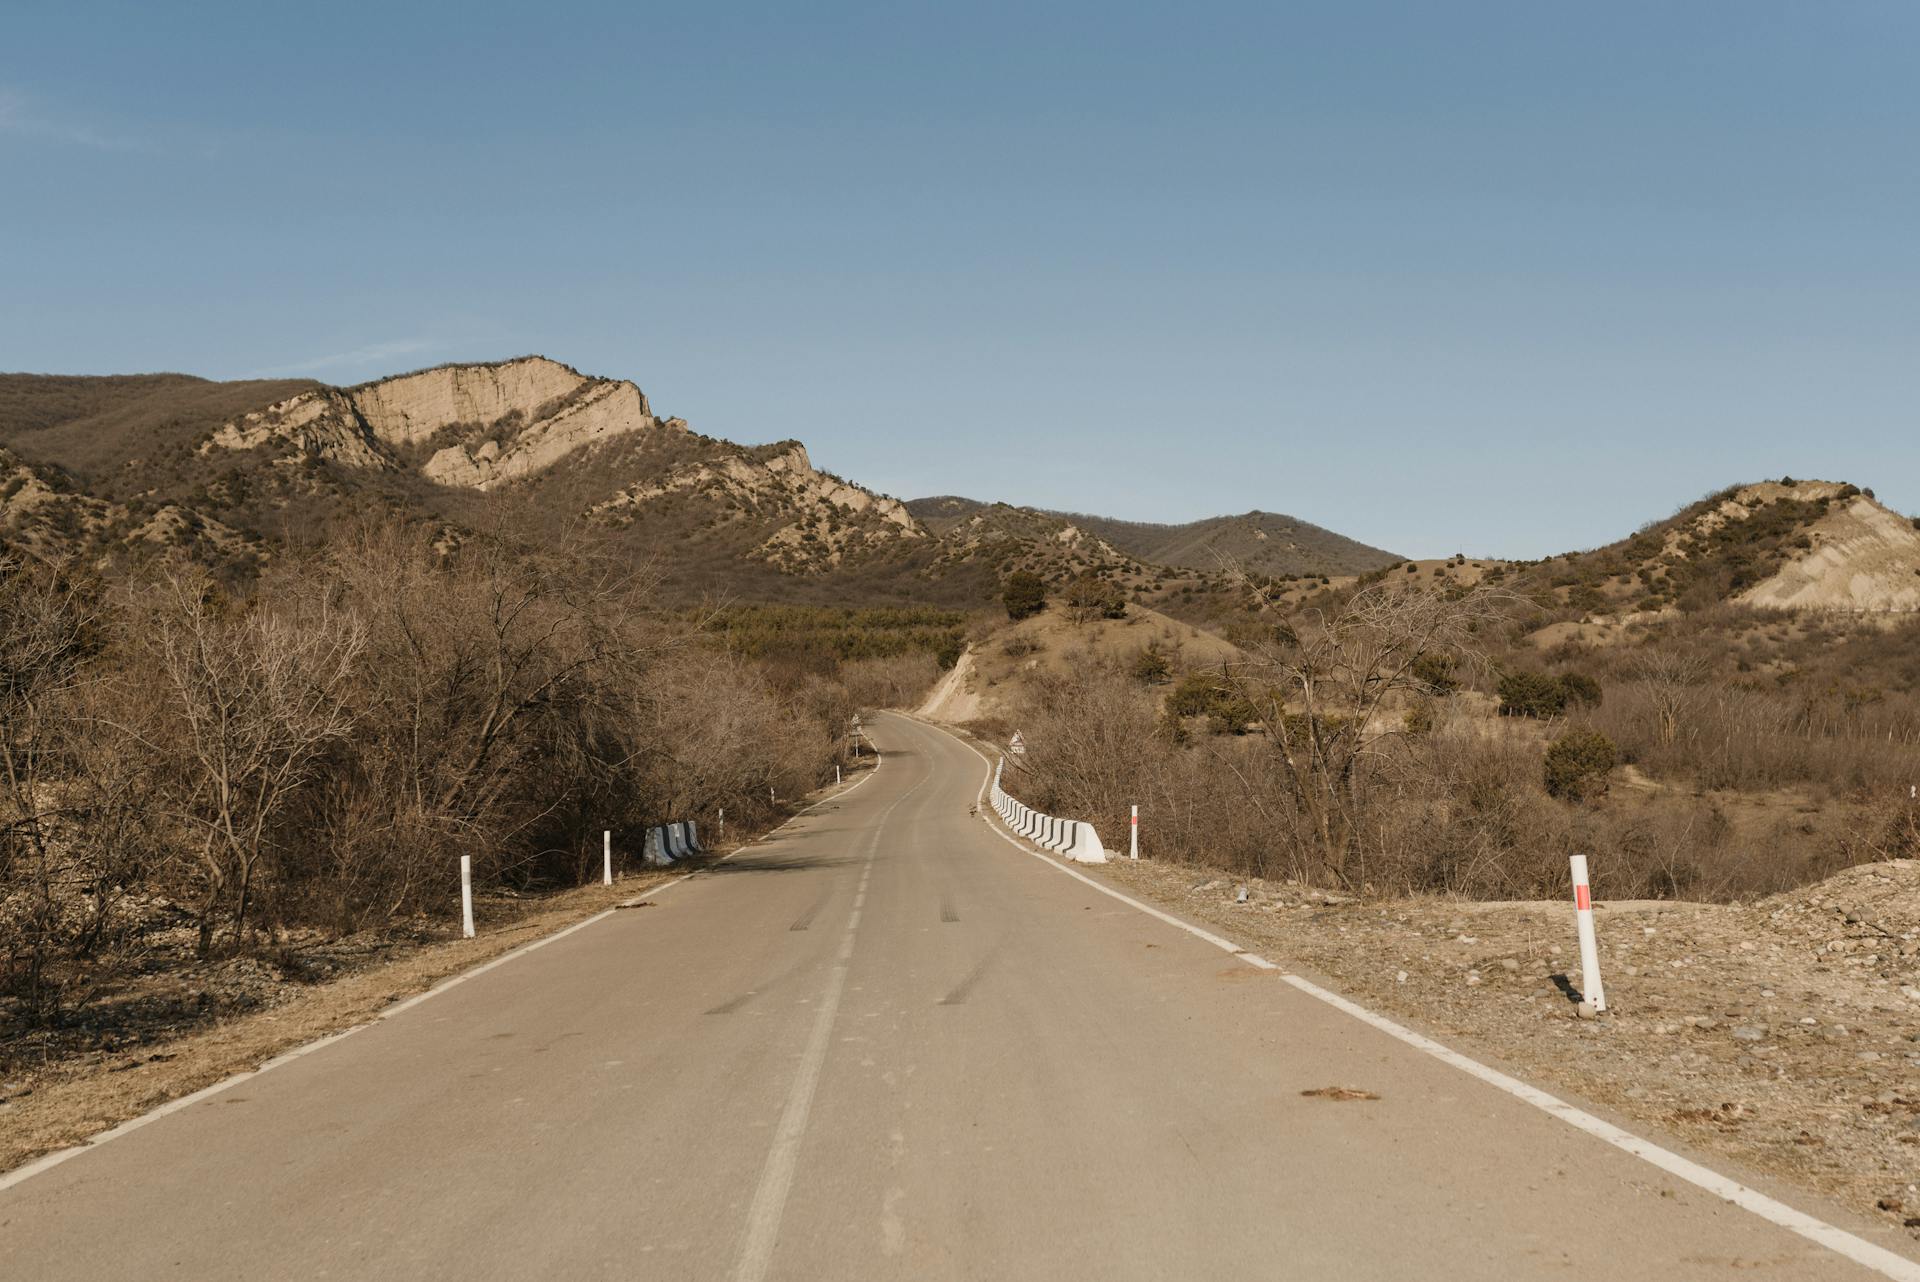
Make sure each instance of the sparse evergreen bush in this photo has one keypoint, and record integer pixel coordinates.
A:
(1093, 595)
(1581, 689)
(1531, 694)
(1577, 764)
(1151, 666)
(1540, 694)
(1435, 672)
(1024, 595)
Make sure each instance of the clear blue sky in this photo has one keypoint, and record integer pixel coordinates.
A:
(1506, 278)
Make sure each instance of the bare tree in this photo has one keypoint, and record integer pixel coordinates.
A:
(1328, 688)
(42, 651)
(255, 697)
(1672, 681)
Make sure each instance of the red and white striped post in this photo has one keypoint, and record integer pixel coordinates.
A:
(1590, 986)
(1133, 833)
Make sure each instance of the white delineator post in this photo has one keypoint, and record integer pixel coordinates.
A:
(836, 776)
(466, 896)
(1133, 833)
(1590, 986)
(721, 833)
(606, 857)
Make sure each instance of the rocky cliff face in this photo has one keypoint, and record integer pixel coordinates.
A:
(1863, 558)
(476, 425)
(572, 445)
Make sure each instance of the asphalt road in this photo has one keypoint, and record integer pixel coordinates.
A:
(884, 1043)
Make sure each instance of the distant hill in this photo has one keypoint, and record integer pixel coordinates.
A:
(993, 540)
(1785, 545)
(1262, 542)
(124, 467)
(527, 446)
(111, 431)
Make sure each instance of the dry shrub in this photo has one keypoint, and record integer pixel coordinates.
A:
(894, 681)
(319, 751)
(1459, 810)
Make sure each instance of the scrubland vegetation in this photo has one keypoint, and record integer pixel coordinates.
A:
(1400, 737)
(312, 754)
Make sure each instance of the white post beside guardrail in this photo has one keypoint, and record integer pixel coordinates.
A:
(1590, 986)
(606, 857)
(466, 896)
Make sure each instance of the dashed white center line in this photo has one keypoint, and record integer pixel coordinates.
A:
(776, 1178)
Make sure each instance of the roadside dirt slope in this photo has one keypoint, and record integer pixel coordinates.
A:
(999, 681)
(1783, 1033)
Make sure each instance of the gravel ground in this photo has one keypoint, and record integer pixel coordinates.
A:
(1784, 1034)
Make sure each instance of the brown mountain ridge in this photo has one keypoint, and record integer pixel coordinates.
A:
(109, 467)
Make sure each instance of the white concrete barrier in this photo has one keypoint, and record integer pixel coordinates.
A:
(676, 841)
(655, 852)
(1086, 848)
(693, 838)
(1071, 837)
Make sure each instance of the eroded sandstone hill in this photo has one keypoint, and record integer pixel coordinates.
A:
(1861, 556)
(1787, 544)
(529, 444)
(476, 426)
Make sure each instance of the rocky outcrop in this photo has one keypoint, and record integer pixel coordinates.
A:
(592, 413)
(411, 408)
(1864, 558)
(321, 424)
(43, 515)
(819, 519)
(480, 425)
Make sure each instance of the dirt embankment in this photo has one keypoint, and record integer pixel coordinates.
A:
(996, 677)
(1784, 1034)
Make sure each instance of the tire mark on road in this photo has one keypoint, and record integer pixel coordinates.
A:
(965, 987)
(805, 919)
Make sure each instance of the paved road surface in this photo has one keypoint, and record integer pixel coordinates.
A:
(883, 1044)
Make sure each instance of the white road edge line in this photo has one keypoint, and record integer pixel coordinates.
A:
(46, 1162)
(1858, 1249)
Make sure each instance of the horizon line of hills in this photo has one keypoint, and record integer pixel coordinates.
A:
(114, 467)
